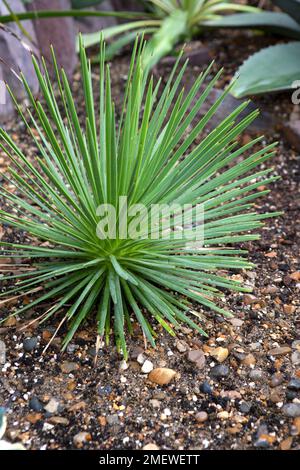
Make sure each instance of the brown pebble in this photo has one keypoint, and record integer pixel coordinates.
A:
(162, 375)
(279, 351)
(201, 416)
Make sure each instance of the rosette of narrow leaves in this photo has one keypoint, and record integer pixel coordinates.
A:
(151, 154)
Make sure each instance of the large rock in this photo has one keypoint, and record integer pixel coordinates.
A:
(14, 55)
(60, 32)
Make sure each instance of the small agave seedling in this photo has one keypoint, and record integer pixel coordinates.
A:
(151, 154)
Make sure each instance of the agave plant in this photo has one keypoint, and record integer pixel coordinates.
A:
(150, 155)
(172, 20)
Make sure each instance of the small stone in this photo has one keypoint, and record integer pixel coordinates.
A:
(220, 371)
(276, 379)
(33, 418)
(290, 394)
(245, 407)
(68, 367)
(220, 354)
(155, 403)
(35, 404)
(162, 375)
(136, 352)
(291, 409)
(296, 426)
(206, 388)
(123, 365)
(231, 394)
(197, 357)
(112, 419)
(281, 351)
(296, 344)
(295, 276)
(286, 444)
(81, 438)
(255, 346)
(147, 367)
(10, 321)
(236, 322)
(2, 352)
(289, 309)
(201, 416)
(249, 299)
(141, 358)
(52, 406)
(294, 384)
(249, 360)
(269, 290)
(257, 375)
(181, 346)
(59, 420)
(29, 344)
(223, 415)
(296, 357)
(151, 446)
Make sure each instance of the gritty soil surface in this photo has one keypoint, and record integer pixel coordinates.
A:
(239, 389)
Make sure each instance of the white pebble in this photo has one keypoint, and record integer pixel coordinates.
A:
(147, 367)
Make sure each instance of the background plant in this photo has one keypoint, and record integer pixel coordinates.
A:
(151, 155)
(274, 68)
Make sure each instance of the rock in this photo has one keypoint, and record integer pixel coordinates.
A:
(296, 344)
(162, 375)
(136, 352)
(286, 444)
(295, 357)
(52, 406)
(201, 416)
(16, 56)
(60, 32)
(291, 409)
(206, 388)
(231, 394)
(181, 346)
(219, 372)
(68, 367)
(29, 344)
(220, 354)
(245, 407)
(197, 357)
(255, 346)
(2, 352)
(257, 375)
(147, 367)
(294, 384)
(290, 394)
(279, 351)
(223, 415)
(59, 420)
(236, 322)
(276, 379)
(141, 358)
(151, 446)
(112, 419)
(295, 276)
(249, 299)
(123, 365)
(81, 438)
(155, 403)
(289, 309)
(35, 404)
(249, 360)
(291, 132)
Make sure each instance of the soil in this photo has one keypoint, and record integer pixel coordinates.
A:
(109, 406)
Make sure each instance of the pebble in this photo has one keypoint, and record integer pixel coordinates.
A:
(112, 419)
(162, 375)
(151, 446)
(220, 371)
(35, 404)
(223, 415)
(181, 346)
(141, 358)
(80, 438)
(291, 409)
(136, 352)
(147, 367)
(279, 351)
(197, 357)
(123, 365)
(257, 375)
(249, 360)
(59, 420)
(249, 299)
(2, 352)
(29, 344)
(276, 379)
(206, 388)
(155, 403)
(68, 367)
(295, 357)
(236, 322)
(220, 354)
(294, 384)
(201, 416)
(255, 346)
(245, 407)
(52, 406)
